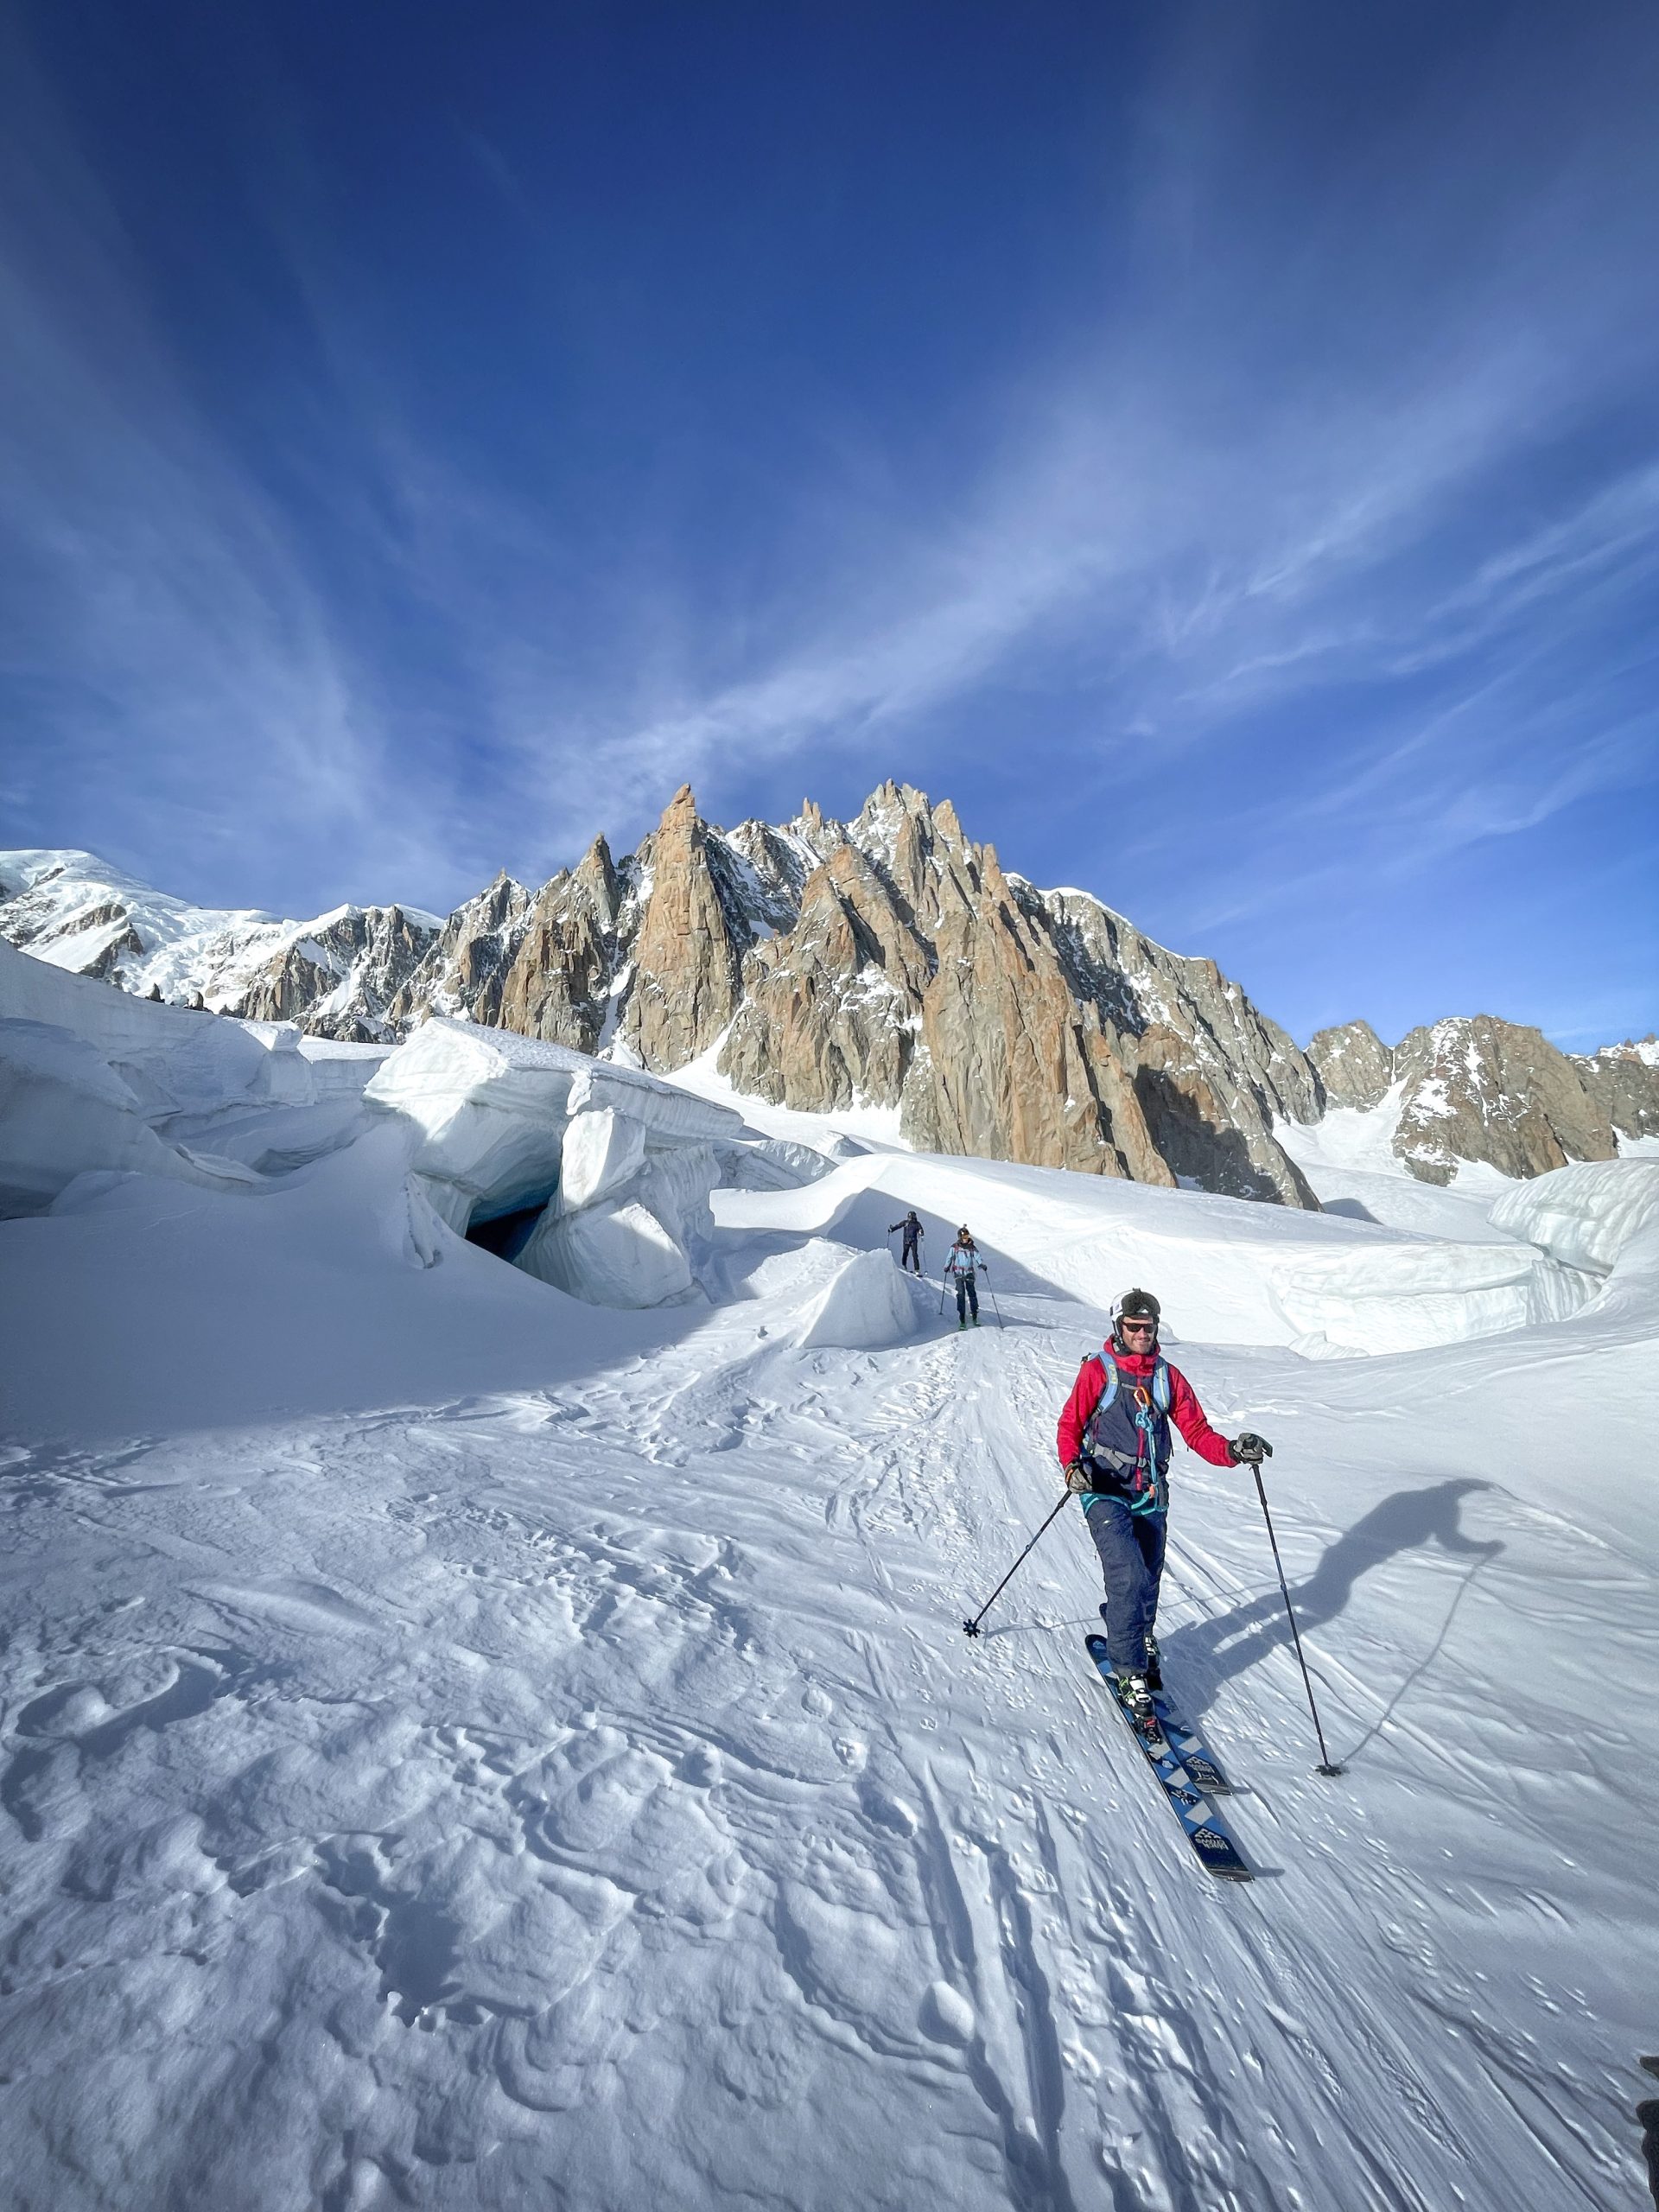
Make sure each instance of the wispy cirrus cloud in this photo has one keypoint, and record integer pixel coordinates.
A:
(158, 623)
(1336, 510)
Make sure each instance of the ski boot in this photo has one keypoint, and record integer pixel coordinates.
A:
(1135, 1698)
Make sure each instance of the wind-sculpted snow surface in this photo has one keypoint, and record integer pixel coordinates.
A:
(94, 1082)
(867, 1302)
(182, 1067)
(462, 1747)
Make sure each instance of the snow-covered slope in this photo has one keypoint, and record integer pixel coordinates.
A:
(340, 970)
(464, 1747)
(1349, 1157)
(84, 916)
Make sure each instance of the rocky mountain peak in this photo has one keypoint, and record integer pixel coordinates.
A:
(1475, 1088)
(1624, 1082)
(1355, 1065)
(596, 875)
(687, 954)
(888, 961)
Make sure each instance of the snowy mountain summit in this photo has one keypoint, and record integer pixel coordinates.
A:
(888, 962)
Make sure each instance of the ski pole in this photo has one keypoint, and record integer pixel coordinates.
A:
(996, 1308)
(971, 1628)
(944, 1280)
(1327, 1764)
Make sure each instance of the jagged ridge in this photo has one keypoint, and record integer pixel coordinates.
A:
(887, 961)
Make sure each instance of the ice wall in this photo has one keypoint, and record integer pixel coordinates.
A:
(1390, 1298)
(1584, 1215)
(620, 1163)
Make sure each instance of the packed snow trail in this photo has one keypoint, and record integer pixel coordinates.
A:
(585, 1795)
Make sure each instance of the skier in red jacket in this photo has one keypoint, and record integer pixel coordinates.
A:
(1114, 1443)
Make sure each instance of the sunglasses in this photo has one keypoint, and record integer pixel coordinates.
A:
(1139, 1328)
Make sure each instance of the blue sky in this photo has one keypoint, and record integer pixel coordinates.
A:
(1218, 446)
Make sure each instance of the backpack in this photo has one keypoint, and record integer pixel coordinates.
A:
(1141, 1415)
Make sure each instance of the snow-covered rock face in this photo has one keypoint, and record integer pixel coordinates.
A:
(1490, 1092)
(464, 972)
(1355, 1065)
(1624, 1082)
(1486, 1089)
(561, 983)
(1212, 1072)
(341, 974)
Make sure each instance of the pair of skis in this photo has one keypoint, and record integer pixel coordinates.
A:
(1189, 1776)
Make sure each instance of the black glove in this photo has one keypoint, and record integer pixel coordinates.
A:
(1249, 1450)
(1078, 1479)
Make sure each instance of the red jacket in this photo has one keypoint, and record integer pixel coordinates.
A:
(1137, 1367)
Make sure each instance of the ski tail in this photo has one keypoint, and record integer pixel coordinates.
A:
(1185, 1789)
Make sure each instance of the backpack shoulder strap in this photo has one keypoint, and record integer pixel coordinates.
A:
(1107, 1366)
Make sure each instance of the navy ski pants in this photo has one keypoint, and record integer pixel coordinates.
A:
(1131, 1547)
(913, 1258)
(967, 1294)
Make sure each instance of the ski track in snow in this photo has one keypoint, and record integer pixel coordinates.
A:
(587, 1798)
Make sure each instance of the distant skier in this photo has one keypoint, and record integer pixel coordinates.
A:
(1114, 1443)
(962, 1268)
(914, 1232)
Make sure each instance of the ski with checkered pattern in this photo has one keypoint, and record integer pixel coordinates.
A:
(1181, 1778)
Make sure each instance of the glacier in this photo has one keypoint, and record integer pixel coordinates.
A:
(462, 1744)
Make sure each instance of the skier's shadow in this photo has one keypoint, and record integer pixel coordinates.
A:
(1202, 1655)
